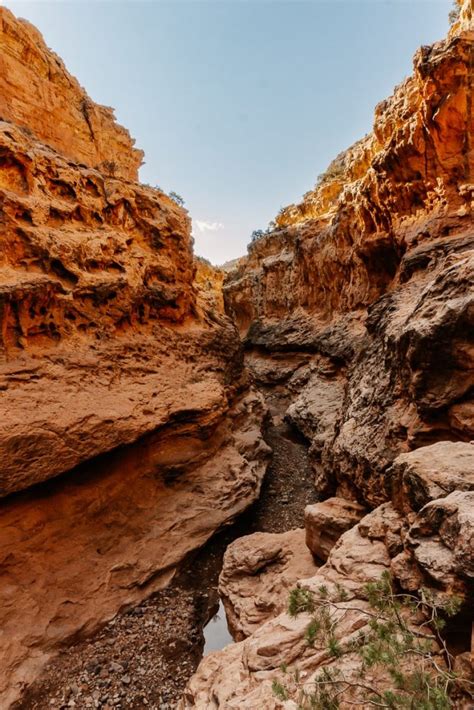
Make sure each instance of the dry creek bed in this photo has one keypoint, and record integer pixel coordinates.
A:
(143, 658)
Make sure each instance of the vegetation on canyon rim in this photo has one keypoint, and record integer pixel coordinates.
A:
(454, 14)
(399, 642)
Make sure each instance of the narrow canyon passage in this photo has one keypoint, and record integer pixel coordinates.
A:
(144, 658)
(165, 423)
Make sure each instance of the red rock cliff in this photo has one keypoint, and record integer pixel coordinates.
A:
(359, 308)
(37, 93)
(373, 273)
(116, 360)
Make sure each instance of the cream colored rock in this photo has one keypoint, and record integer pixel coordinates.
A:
(326, 521)
(441, 540)
(257, 574)
(241, 675)
(432, 472)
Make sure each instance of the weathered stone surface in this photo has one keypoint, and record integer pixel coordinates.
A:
(241, 675)
(441, 540)
(431, 472)
(375, 270)
(38, 93)
(258, 572)
(326, 521)
(116, 361)
(315, 413)
(373, 273)
(97, 302)
(107, 535)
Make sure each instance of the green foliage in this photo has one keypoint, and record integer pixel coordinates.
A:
(176, 198)
(279, 691)
(398, 652)
(260, 233)
(300, 600)
(455, 11)
(256, 235)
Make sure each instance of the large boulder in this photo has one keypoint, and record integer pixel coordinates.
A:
(441, 540)
(257, 574)
(431, 472)
(326, 521)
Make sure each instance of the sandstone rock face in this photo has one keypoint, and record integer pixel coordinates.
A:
(96, 282)
(374, 271)
(258, 572)
(37, 93)
(360, 306)
(432, 472)
(113, 531)
(432, 548)
(118, 370)
(326, 521)
(442, 541)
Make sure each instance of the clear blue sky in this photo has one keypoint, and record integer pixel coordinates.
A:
(238, 104)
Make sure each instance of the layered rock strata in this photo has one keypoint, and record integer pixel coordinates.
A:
(372, 276)
(359, 305)
(128, 434)
(38, 94)
(105, 536)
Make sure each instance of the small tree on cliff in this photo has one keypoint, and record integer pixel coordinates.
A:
(257, 234)
(395, 663)
(455, 11)
(176, 198)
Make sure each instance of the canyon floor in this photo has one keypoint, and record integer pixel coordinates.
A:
(144, 658)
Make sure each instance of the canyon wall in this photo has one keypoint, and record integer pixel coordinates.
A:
(359, 305)
(128, 434)
(372, 275)
(38, 94)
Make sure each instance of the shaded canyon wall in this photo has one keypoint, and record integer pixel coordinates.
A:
(128, 433)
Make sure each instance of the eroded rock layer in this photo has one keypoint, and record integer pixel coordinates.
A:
(108, 534)
(128, 433)
(359, 305)
(373, 274)
(38, 93)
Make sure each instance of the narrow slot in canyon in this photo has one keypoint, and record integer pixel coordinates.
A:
(240, 486)
(160, 642)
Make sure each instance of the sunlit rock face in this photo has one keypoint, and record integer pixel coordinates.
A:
(116, 361)
(360, 303)
(38, 93)
(374, 271)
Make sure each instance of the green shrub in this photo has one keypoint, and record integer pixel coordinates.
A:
(398, 642)
(176, 198)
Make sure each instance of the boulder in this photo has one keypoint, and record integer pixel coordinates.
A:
(326, 521)
(258, 572)
(431, 472)
(441, 540)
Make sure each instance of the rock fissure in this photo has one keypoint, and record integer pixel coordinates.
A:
(145, 393)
